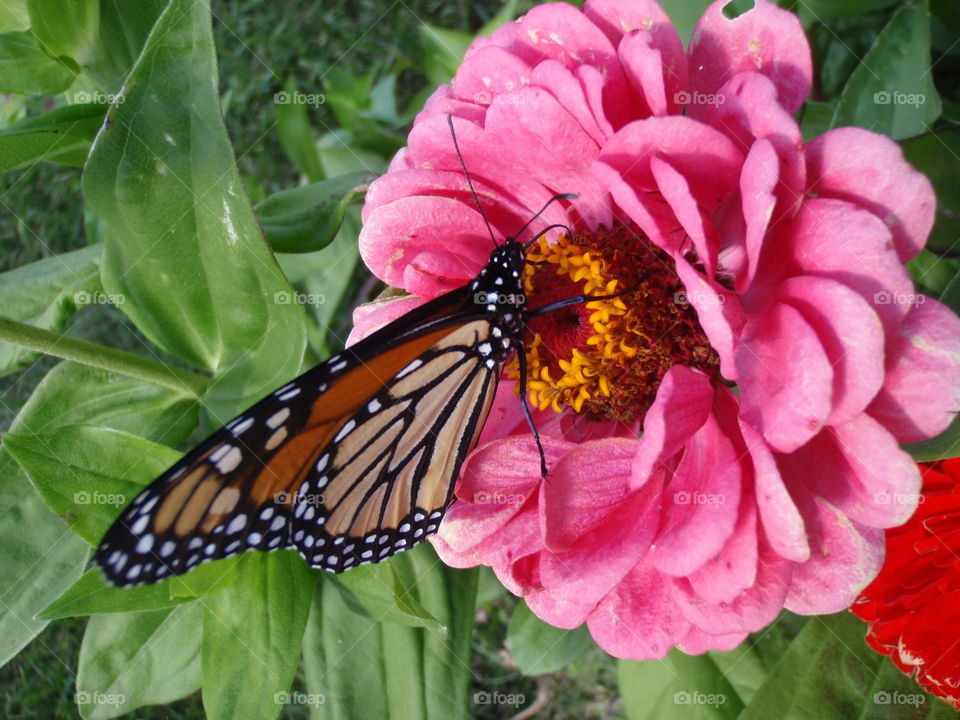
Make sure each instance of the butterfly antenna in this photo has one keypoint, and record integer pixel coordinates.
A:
(473, 192)
(561, 196)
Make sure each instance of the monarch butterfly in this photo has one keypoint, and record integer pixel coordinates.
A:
(351, 462)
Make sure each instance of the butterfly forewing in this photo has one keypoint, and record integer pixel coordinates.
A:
(349, 463)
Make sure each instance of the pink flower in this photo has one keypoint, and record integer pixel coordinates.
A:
(727, 444)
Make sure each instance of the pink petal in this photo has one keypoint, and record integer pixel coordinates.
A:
(753, 609)
(761, 173)
(576, 580)
(865, 260)
(679, 410)
(540, 125)
(698, 642)
(644, 69)
(765, 39)
(442, 102)
(588, 483)
(869, 170)
(750, 112)
(877, 489)
(593, 84)
(618, 18)
(639, 619)
(845, 558)
(675, 190)
(412, 227)
(734, 569)
(706, 158)
(785, 378)
(371, 316)
(569, 92)
(719, 311)
(921, 391)
(852, 336)
(489, 72)
(700, 503)
(783, 525)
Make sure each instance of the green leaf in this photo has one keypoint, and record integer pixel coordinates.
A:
(14, 16)
(46, 294)
(252, 633)
(936, 156)
(183, 246)
(829, 671)
(941, 447)
(93, 595)
(88, 474)
(825, 10)
(308, 218)
(39, 555)
(129, 660)
(379, 592)
(77, 394)
(122, 33)
(206, 578)
(539, 648)
(62, 135)
(358, 667)
(27, 70)
(817, 119)
(65, 28)
(678, 687)
(295, 131)
(931, 272)
(892, 91)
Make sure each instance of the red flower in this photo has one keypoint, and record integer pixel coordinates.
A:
(913, 606)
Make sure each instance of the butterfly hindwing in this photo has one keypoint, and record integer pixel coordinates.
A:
(385, 483)
(240, 488)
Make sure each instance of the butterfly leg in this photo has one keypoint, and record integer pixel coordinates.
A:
(522, 362)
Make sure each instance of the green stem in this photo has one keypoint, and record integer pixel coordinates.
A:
(103, 357)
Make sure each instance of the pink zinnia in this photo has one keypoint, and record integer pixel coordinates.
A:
(727, 441)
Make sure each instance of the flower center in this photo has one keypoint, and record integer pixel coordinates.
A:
(606, 358)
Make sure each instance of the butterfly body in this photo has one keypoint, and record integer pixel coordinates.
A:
(349, 463)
